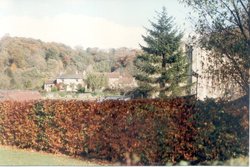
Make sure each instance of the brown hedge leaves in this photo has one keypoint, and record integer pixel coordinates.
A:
(150, 132)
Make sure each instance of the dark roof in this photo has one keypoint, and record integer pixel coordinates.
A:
(70, 76)
(19, 95)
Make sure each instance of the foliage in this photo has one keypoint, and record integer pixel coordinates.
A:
(54, 89)
(220, 127)
(162, 67)
(223, 27)
(157, 132)
(102, 66)
(25, 59)
(96, 81)
(5, 84)
(143, 91)
(81, 90)
(62, 93)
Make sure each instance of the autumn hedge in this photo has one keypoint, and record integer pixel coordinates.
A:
(149, 132)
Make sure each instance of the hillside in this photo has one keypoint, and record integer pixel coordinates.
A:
(26, 63)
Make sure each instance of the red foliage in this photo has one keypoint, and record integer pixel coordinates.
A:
(154, 131)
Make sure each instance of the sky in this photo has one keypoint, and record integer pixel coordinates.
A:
(87, 23)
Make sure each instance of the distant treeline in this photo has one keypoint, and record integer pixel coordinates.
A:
(26, 63)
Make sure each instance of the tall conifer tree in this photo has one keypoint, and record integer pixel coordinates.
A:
(162, 68)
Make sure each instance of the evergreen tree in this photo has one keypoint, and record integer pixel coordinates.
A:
(162, 68)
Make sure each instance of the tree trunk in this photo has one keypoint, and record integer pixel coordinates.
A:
(163, 74)
(190, 65)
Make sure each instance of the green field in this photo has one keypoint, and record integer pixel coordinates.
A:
(13, 156)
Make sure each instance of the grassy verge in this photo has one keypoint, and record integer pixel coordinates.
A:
(13, 156)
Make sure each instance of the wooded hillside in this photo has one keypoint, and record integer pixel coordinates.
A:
(26, 63)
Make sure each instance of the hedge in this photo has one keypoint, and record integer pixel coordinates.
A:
(146, 132)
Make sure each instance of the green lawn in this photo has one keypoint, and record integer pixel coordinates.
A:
(13, 156)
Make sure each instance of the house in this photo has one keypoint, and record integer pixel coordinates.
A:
(19, 95)
(205, 84)
(65, 82)
(127, 82)
(70, 82)
(48, 85)
(117, 80)
(113, 79)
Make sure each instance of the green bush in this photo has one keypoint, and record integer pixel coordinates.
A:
(81, 90)
(54, 89)
(62, 94)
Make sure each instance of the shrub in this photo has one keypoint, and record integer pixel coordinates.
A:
(62, 94)
(54, 89)
(149, 132)
(221, 133)
(81, 90)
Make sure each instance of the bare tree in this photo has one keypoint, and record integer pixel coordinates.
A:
(224, 29)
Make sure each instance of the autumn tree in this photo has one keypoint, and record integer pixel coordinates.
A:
(96, 81)
(162, 68)
(224, 30)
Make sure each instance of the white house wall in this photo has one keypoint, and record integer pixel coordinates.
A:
(70, 82)
(208, 86)
(47, 87)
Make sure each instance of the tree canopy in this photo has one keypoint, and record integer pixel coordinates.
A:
(26, 63)
(96, 81)
(224, 30)
(161, 67)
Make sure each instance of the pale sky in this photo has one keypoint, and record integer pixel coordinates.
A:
(86, 23)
